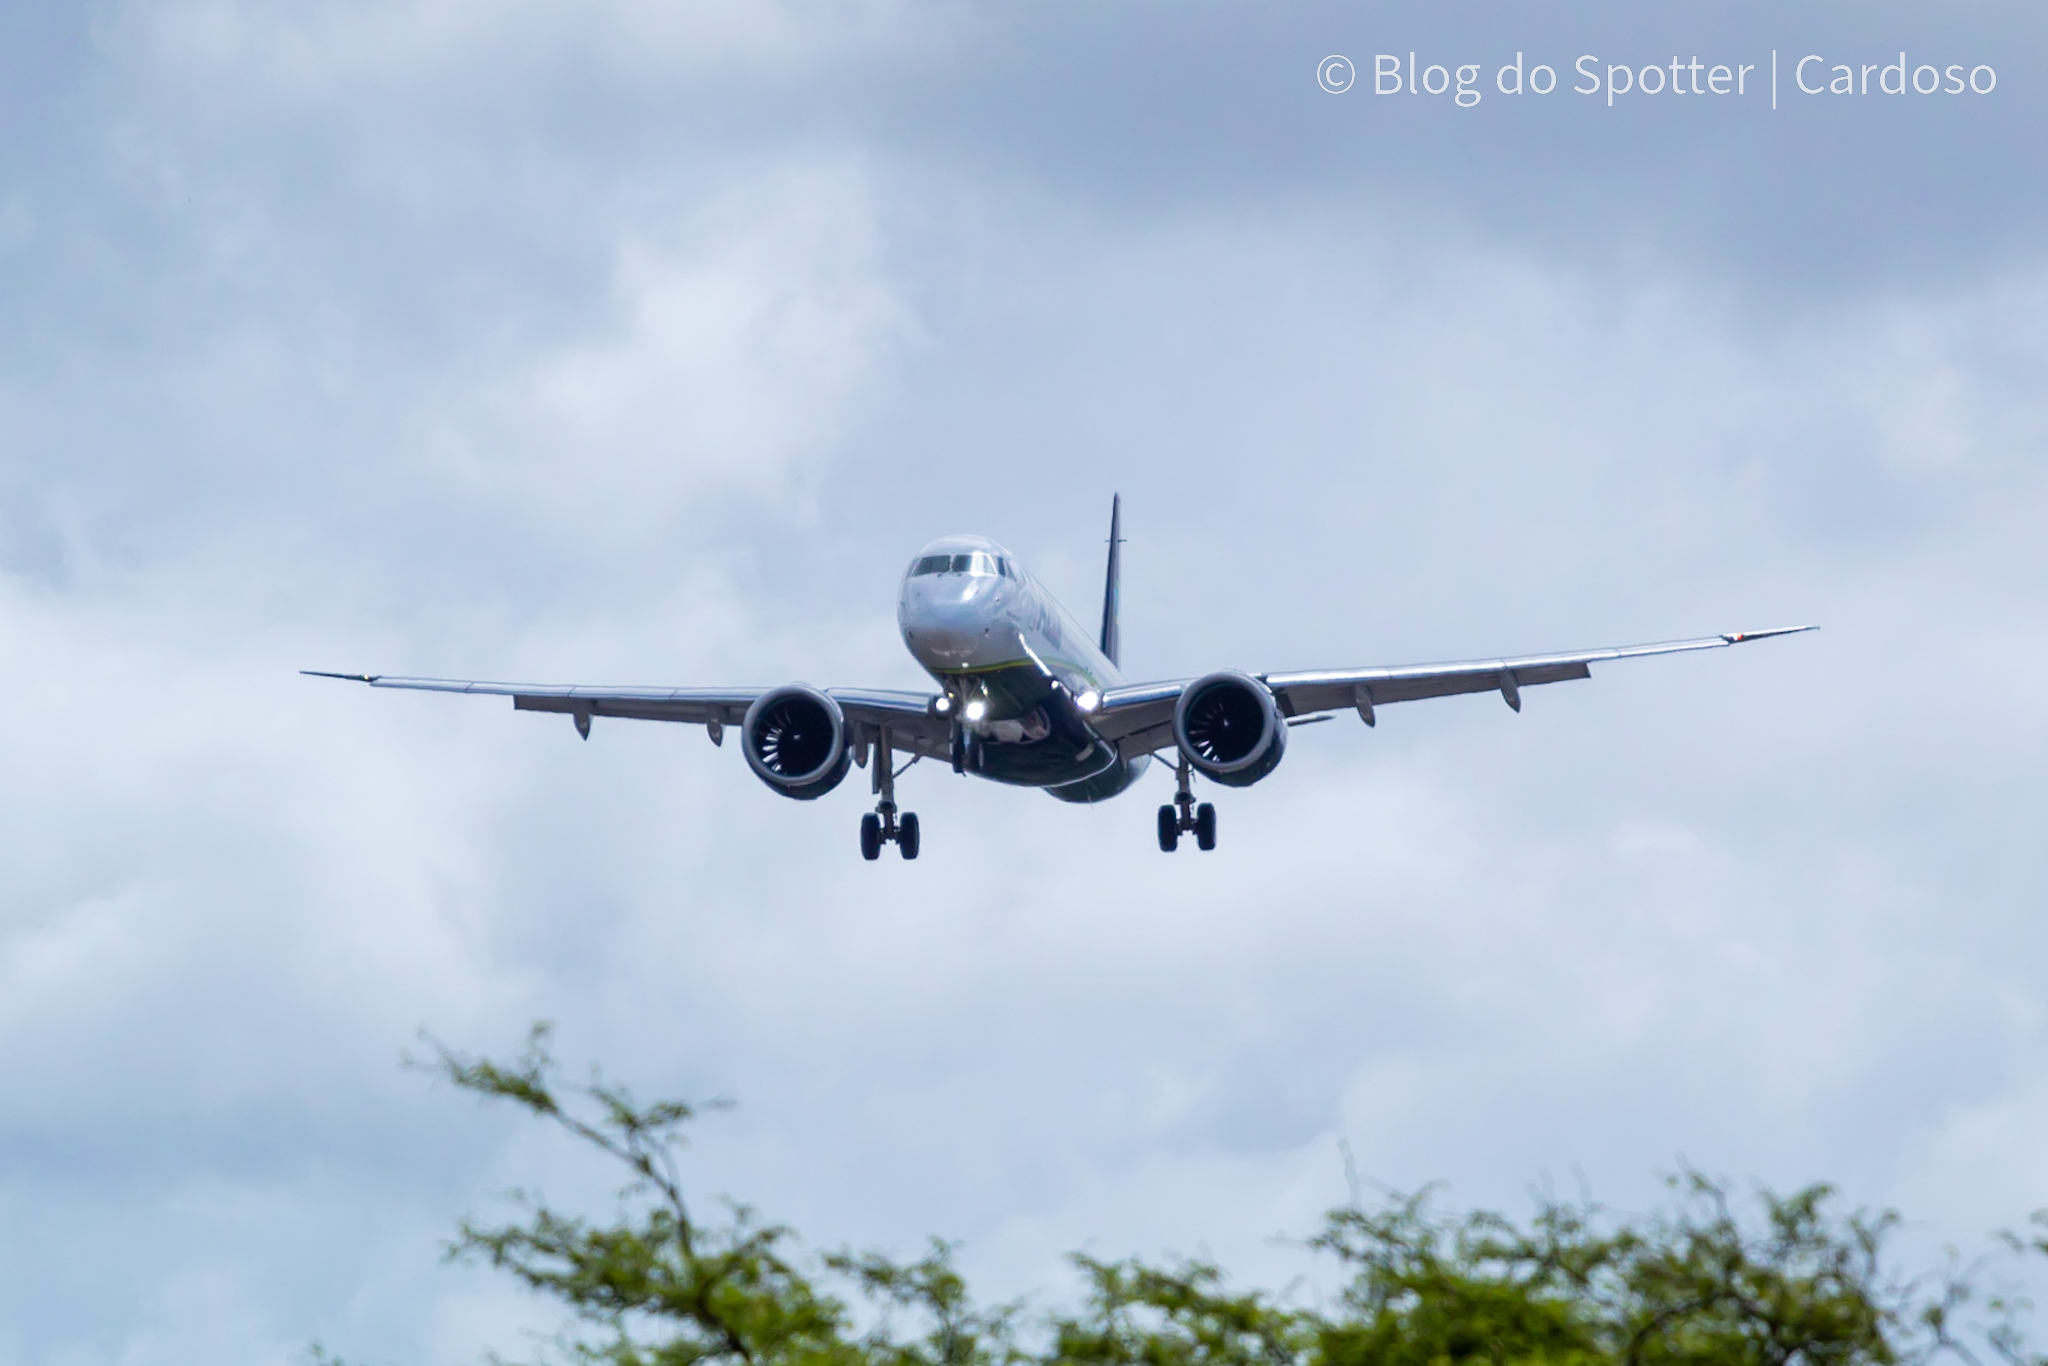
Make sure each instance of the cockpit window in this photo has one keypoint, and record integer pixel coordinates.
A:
(976, 562)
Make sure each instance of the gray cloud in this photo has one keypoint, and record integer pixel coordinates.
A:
(458, 338)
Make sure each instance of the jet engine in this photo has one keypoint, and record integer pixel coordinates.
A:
(795, 741)
(1230, 728)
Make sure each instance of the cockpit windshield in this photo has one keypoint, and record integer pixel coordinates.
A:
(975, 562)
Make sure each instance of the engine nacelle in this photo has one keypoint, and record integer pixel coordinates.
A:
(1230, 728)
(794, 738)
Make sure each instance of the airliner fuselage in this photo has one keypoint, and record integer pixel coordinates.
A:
(1019, 673)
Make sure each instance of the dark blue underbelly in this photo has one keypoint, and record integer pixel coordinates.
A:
(1067, 759)
(1106, 784)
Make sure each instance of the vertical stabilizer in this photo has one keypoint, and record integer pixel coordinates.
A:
(1112, 592)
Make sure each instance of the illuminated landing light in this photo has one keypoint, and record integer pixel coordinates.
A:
(1089, 701)
(943, 705)
(976, 709)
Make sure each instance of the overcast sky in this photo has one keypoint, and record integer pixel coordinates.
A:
(644, 342)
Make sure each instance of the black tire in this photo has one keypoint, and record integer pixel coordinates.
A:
(1169, 829)
(906, 834)
(1205, 826)
(871, 837)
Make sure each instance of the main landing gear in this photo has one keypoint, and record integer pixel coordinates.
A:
(1184, 815)
(882, 825)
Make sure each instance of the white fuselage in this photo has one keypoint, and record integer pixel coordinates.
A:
(1020, 674)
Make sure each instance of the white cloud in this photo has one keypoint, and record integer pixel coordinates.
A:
(316, 53)
(735, 356)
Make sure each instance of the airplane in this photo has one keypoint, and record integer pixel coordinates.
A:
(1029, 698)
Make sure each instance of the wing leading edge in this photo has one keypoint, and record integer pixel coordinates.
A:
(1140, 717)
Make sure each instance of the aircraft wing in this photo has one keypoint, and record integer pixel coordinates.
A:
(1140, 717)
(912, 721)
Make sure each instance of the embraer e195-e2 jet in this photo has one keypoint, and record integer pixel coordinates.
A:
(1027, 697)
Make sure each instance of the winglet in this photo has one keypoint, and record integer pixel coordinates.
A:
(1738, 637)
(1112, 591)
(353, 678)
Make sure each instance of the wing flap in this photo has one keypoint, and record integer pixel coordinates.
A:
(1300, 696)
(908, 716)
(1147, 741)
(1140, 717)
(913, 725)
(1330, 689)
(1128, 710)
(634, 708)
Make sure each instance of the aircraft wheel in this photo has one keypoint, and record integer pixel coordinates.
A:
(1169, 828)
(906, 835)
(1205, 826)
(871, 837)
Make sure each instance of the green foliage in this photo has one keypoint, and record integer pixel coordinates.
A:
(932, 1293)
(1692, 1286)
(662, 1288)
(1699, 1284)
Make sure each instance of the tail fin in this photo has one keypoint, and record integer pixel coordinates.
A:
(1112, 592)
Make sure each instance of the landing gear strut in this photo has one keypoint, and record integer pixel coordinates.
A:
(1184, 815)
(882, 825)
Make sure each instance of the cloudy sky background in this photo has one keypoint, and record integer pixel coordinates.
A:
(645, 342)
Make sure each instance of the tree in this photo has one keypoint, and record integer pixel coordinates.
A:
(1794, 1284)
(662, 1287)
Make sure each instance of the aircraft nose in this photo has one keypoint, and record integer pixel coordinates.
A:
(948, 622)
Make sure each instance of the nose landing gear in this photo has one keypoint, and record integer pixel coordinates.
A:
(882, 825)
(966, 749)
(1184, 816)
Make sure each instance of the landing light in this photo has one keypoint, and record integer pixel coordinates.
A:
(1089, 701)
(943, 705)
(976, 709)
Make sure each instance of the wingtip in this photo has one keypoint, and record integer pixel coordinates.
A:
(352, 678)
(1738, 637)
